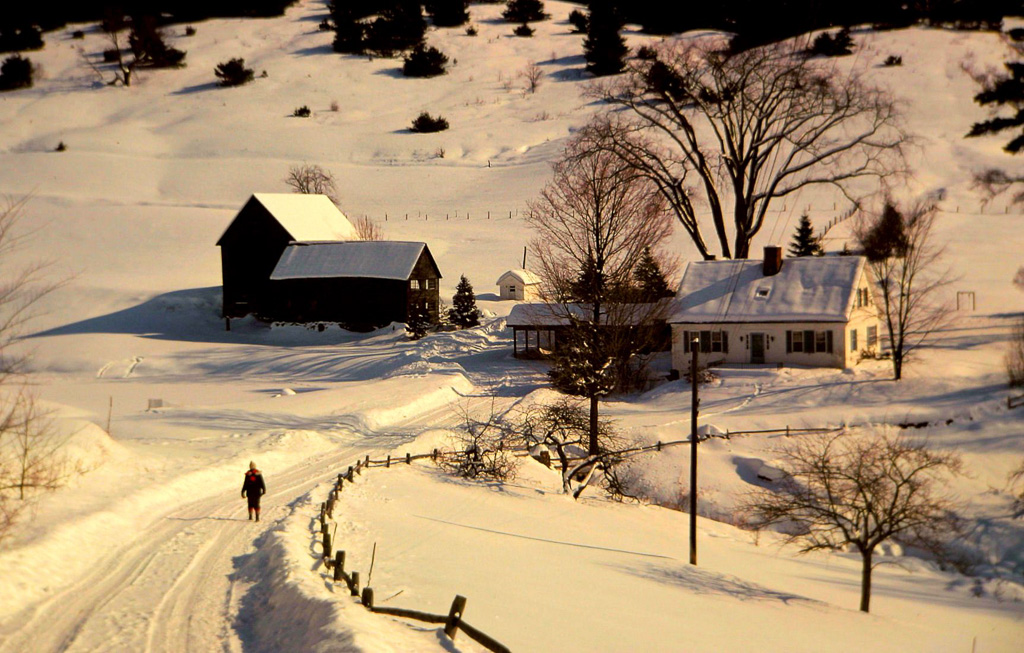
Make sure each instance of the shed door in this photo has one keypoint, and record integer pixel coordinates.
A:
(756, 347)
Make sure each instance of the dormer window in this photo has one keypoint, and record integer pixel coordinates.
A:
(762, 292)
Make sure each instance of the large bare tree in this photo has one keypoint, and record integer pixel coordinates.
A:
(29, 445)
(906, 266)
(311, 179)
(593, 222)
(722, 135)
(859, 490)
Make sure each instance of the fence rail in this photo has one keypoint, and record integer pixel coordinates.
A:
(1014, 402)
(334, 561)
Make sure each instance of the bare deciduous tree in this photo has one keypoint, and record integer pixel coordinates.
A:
(367, 229)
(723, 133)
(593, 222)
(483, 447)
(845, 490)
(533, 75)
(563, 427)
(906, 266)
(312, 180)
(29, 446)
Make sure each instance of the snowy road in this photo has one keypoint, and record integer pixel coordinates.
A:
(180, 583)
(171, 587)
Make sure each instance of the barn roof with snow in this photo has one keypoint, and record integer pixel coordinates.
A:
(373, 259)
(806, 289)
(304, 217)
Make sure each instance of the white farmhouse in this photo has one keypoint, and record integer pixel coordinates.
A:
(519, 284)
(814, 311)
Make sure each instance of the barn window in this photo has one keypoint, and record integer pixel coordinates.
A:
(762, 292)
(511, 290)
(853, 339)
(429, 284)
(414, 284)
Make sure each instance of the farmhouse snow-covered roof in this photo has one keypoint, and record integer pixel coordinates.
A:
(806, 289)
(524, 277)
(374, 259)
(308, 217)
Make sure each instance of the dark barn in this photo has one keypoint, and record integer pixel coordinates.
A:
(254, 241)
(359, 284)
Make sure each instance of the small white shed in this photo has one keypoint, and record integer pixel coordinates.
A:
(519, 284)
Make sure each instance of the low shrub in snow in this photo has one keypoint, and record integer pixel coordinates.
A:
(424, 62)
(302, 112)
(15, 72)
(523, 30)
(233, 72)
(894, 60)
(425, 123)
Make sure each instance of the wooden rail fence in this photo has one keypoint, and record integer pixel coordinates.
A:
(334, 561)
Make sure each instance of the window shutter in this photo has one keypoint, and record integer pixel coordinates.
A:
(828, 341)
(686, 342)
(809, 342)
(725, 342)
(789, 342)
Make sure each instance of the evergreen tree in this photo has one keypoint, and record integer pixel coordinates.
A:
(424, 62)
(524, 11)
(1005, 91)
(15, 72)
(149, 47)
(649, 278)
(464, 313)
(448, 13)
(399, 27)
(887, 238)
(349, 31)
(804, 243)
(418, 322)
(604, 48)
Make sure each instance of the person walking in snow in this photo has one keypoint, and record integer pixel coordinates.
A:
(253, 487)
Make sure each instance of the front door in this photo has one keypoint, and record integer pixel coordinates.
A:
(756, 347)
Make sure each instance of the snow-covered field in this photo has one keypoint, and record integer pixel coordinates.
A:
(150, 549)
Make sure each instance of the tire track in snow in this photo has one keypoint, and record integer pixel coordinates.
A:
(171, 587)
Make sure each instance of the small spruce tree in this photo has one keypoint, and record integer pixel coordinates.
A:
(804, 243)
(15, 72)
(464, 313)
(524, 11)
(349, 31)
(424, 62)
(604, 48)
(448, 13)
(649, 278)
(418, 322)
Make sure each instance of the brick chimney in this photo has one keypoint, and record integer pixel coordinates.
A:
(772, 260)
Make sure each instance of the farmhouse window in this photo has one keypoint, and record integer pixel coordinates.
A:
(853, 339)
(414, 284)
(872, 336)
(512, 290)
(710, 341)
(808, 341)
(430, 284)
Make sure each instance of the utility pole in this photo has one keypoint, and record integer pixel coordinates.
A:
(695, 402)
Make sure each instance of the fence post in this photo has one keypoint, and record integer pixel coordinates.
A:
(350, 472)
(368, 597)
(339, 565)
(387, 465)
(327, 547)
(451, 627)
(355, 583)
(408, 458)
(330, 505)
